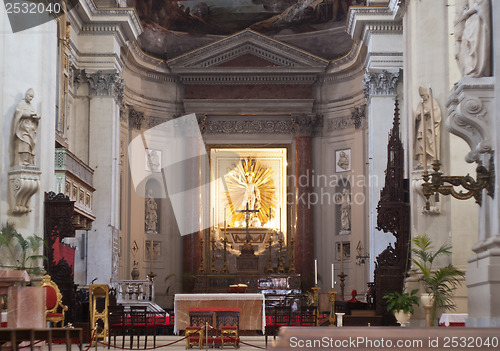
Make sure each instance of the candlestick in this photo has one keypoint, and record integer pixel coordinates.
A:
(280, 219)
(224, 220)
(333, 281)
(213, 216)
(341, 256)
(434, 137)
(424, 137)
(316, 272)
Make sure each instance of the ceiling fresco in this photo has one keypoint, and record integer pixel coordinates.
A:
(169, 24)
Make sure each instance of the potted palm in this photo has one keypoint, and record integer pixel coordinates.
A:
(439, 283)
(20, 253)
(401, 304)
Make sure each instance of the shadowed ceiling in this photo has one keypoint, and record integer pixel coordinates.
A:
(174, 27)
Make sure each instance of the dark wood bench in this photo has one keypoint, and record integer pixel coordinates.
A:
(17, 335)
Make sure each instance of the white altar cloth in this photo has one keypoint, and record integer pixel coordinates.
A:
(252, 316)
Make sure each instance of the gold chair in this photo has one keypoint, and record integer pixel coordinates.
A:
(53, 302)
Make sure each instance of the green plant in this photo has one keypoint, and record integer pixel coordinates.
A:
(441, 282)
(397, 301)
(19, 252)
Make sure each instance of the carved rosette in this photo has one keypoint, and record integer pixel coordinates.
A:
(471, 113)
(380, 83)
(24, 182)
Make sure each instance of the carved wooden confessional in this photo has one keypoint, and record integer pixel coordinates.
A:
(393, 215)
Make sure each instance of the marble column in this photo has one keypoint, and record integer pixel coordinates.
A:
(303, 221)
(106, 94)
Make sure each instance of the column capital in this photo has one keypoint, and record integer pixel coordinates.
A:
(305, 124)
(106, 84)
(381, 83)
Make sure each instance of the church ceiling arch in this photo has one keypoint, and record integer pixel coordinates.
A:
(173, 27)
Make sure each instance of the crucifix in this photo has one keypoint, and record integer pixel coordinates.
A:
(247, 219)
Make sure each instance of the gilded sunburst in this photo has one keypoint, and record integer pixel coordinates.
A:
(247, 171)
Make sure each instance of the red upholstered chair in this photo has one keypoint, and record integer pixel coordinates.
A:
(227, 321)
(195, 332)
(54, 308)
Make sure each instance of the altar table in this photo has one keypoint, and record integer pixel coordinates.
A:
(252, 316)
(453, 319)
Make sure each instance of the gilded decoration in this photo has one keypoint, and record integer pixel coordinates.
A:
(250, 183)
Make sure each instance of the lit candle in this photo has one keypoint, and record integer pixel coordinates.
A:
(333, 275)
(315, 272)
(424, 137)
(433, 125)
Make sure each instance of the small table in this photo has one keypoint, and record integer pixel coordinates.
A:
(453, 319)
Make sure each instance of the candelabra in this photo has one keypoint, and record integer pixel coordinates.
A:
(224, 264)
(342, 283)
(315, 290)
(269, 268)
(213, 269)
(332, 307)
(201, 269)
(437, 185)
(291, 255)
(281, 269)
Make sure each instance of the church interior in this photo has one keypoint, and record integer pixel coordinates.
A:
(276, 148)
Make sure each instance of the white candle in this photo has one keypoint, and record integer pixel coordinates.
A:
(280, 219)
(316, 272)
(224, 218)
(333, 275)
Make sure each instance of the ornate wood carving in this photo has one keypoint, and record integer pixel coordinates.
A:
(59, 210)
(393, 215)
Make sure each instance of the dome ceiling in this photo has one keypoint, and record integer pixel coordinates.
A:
(174, 27)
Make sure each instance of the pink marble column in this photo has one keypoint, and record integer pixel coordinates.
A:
(304, 231)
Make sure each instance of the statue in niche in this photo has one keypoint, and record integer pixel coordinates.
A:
(345, 211)
(431, 133)
(252, 199)
(473, 37)
(151, 213)
(25, 127)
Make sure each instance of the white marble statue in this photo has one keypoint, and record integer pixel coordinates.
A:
(343, 161)
(345, 211)
(473, 37)
(25, 127)
(151, 213)
(431, 149)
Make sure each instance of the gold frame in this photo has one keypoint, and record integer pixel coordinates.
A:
(47, 282)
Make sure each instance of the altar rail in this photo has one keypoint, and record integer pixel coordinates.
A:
(134, 290)
(17, 335)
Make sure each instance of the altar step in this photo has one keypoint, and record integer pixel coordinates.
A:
(362, 318)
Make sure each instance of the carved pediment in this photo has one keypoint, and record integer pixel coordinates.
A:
(247, 49)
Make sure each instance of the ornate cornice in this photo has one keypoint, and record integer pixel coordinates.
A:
(245, 127)
(380, 83)
(306, 124)
(339, 123)
(220, 78)
(471, 115)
